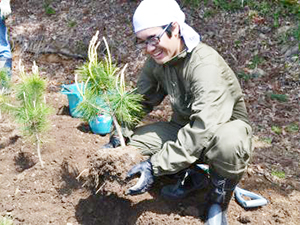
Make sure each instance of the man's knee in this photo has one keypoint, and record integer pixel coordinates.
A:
(234, 134)
(230, 149)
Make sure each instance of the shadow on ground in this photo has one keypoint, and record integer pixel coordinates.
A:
(111, 209)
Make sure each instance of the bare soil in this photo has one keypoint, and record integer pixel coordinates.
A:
(81, 183)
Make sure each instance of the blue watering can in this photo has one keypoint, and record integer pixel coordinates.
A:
(74, 97)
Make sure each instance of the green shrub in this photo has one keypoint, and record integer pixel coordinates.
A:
(6, 220)
(279, 174)
(48, 8)
(276, 129)
(5, 81)
(292, 128)
(72, 23)
(192, 3)
(256, 60)
(279, 97)
(244, 76)
(229, 5)
(267, 140)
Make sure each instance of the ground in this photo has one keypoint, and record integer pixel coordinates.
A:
(81, 183)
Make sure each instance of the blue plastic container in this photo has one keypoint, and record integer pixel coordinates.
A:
(74, 97)
(102, 124)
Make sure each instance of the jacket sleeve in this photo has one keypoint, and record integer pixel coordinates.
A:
(215, 91)
(149, 87)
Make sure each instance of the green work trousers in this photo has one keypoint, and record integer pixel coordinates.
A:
(228, 151)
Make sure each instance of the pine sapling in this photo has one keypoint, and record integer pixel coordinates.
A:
(5, 81)
(5, 85)
(105, 91)
(30, 109)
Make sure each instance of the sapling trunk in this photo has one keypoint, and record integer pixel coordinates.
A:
(119, 131)
(38, 141)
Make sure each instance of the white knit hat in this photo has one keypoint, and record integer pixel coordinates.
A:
(155, 13)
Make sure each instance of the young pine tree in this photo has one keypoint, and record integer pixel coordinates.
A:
(29, 107)
(105, 91)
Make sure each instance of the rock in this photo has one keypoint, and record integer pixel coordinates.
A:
(257, 72)
(244, 219)
(265, 29)
(262, 36)
(284, 49)
(292, 51)
(282, 30)
(9, 208)
(241, 32)
(192, 211)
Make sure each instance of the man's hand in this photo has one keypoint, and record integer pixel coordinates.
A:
(5, 8)
(146, 178)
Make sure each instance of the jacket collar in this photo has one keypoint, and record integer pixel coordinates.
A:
(177, 59)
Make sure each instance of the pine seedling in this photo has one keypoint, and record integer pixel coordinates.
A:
(6, 220)
(32, 111)
(98, 78)
(105, 91)
(5, 81)
(5, 85)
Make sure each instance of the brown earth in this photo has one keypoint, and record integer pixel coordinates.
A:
(67, 191)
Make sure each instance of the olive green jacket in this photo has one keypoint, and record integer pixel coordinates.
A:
(204, 93)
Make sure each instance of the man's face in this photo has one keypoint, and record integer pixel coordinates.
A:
(166, 48)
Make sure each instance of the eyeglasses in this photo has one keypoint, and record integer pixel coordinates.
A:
(152, 40)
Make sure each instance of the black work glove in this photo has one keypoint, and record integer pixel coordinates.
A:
(114, 142)
(146, 178)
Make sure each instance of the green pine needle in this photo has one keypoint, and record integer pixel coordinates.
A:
(92, 105)
(31, 89)
(33, 118)
(98, 76)
(5, 81)
(32, 111)
(127, 107)
(105, 90)
(5, 86)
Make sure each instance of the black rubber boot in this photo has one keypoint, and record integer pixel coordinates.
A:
(219, 198)
(191, 181)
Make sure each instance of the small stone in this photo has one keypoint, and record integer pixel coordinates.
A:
(64, 200)
(292, 51)
(244, 219)
(9, 208)
(192, 211)
(257, 72)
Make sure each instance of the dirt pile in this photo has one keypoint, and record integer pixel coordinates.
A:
(108, 169)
